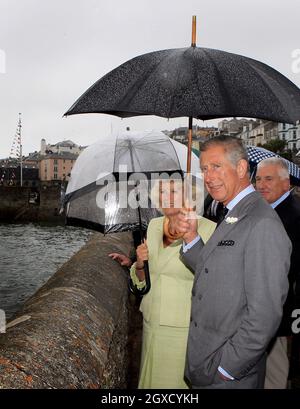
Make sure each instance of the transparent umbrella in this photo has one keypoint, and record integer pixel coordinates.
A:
(111, 182)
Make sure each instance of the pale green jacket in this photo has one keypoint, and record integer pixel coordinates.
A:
(168, 302)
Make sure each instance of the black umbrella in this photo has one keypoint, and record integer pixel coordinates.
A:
(196, 82)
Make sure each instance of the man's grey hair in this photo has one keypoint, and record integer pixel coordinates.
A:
(234, 147)
(283, 168)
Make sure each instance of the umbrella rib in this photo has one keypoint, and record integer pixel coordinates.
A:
(174, 89)
(200, 93)
(178, 161)
(137, 158)
(155, 151)
(147, 149)
(256, 70)
(152, 150)
(230, 105)
(123, 149)
(149, 142)
(115, 154)
(175, 51)
(135, 87)
(151, 71)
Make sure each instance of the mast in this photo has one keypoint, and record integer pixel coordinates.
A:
(21, 154)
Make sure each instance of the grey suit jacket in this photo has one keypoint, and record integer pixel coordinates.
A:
(239, 289)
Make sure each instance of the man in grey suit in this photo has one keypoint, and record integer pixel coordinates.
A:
(240, 281)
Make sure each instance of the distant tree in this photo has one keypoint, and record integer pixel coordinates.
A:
(278, 146)
(287, 155)
(275, 145)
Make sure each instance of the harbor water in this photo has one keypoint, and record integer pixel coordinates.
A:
(29, 255)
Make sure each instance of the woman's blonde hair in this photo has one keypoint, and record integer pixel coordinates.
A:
(195, 193)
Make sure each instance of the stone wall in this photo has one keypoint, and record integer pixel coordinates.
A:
(73, 333)
(15, 204)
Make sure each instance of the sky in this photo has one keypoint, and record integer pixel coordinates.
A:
(52, 51)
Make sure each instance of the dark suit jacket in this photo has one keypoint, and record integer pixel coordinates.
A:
(289, 213)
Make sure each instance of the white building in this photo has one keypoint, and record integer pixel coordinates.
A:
(259, 132)
(246, 133)
(290, 134)
(232, 126)
(61, 147)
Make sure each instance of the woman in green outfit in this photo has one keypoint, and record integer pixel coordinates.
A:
(166, 308)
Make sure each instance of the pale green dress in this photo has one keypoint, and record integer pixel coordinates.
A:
(166, 310)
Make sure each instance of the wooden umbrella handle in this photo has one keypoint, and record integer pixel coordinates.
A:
(190, 130)
(190, 142)
(194, 31)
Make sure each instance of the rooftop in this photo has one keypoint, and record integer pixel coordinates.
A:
(65, 144)
(61, 155)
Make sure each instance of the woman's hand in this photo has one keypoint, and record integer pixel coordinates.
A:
(142, 255)
(121, 259)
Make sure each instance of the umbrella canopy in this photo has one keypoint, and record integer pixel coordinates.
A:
(257, 154)
(196, 82)
(107, 175)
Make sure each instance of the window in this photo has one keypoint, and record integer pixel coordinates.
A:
(294, 134)
(283, 126)
(55, 168)
(55, 161)
(55, 175)
(294, 145)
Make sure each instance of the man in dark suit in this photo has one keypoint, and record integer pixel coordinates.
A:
(240, 282)
(273, 182)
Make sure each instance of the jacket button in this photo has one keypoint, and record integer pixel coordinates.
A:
(200, 296)
(196, 325)
(206, 270)
(191, 319)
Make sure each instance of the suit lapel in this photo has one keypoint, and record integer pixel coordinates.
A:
(239, 212)
(284, 206)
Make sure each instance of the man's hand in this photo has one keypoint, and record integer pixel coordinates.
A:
(121, 259)
(185, 222)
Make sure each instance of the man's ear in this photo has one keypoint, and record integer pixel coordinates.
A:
(287, 185)
(242, 168)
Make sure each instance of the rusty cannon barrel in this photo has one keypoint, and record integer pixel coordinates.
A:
(73, 332)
